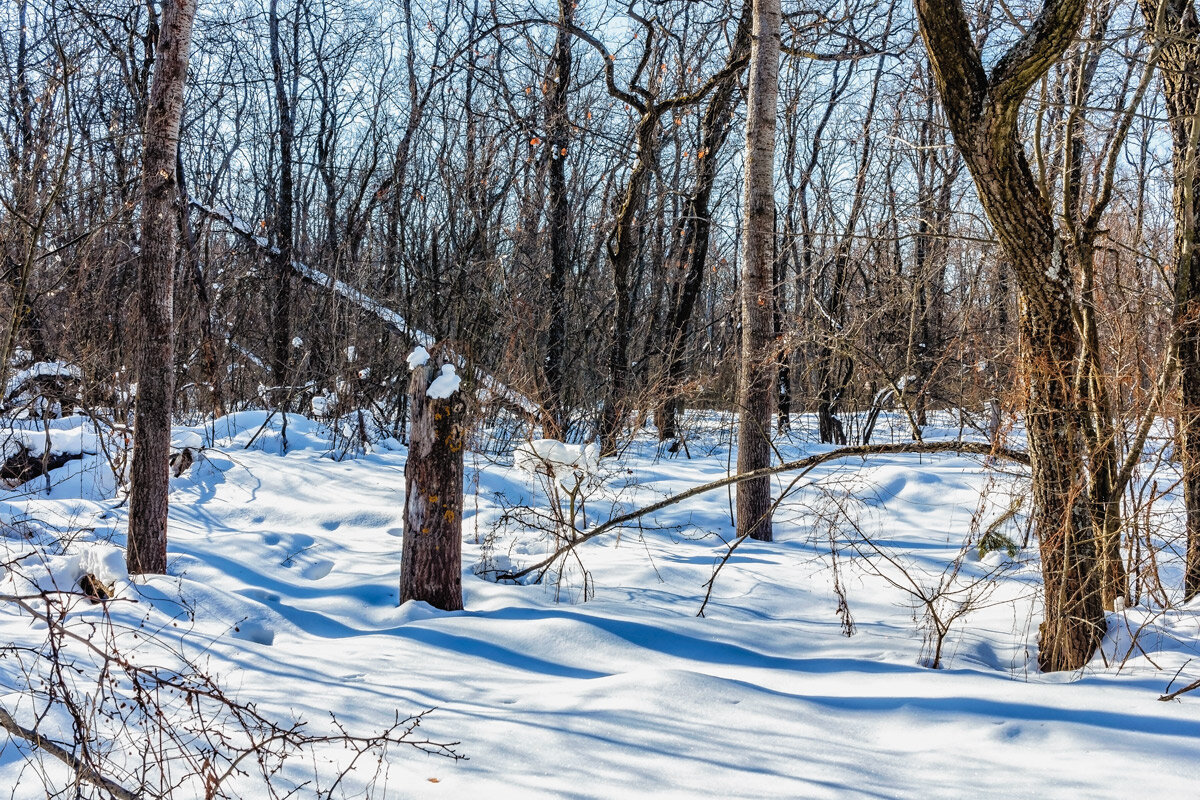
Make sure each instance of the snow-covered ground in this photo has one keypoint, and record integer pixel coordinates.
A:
(284, 569)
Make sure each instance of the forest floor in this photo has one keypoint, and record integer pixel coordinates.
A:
(283, 582)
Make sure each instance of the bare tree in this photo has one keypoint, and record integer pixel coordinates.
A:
(691, 247)
(758, 363)
(558, 212)
(1173, 25)
(147, 548)
(983, 113)
(285, 208)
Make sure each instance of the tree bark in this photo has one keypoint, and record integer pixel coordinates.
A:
(285, 215)
(558, 135)
(622, 249)
(758, 366)
(1176, 27)
(696, 225)
(149, 478)
(431, 561)
(982, 112)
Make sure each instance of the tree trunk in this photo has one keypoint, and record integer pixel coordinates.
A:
(209, 368)
(1100, 434)
(695, 227)
(285, 215)
(149, 478)
(431, 562)
(622, 248)
(1178, 29)
(982, 111)
(758, 366)
(779, 303)
(558, 134)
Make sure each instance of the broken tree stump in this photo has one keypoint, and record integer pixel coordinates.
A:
(431, 560)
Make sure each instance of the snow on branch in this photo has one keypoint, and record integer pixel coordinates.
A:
(359, 298)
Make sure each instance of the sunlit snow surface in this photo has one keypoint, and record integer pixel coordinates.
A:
(291, 564)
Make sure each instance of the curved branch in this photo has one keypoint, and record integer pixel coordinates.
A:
(1034, 53)
(805, 465)
(954, 58)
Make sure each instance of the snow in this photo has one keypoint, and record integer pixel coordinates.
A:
(283, 578)
(184, 438)
(419, 357)
(556, 458)
(323, 403)
(73, 435)
(63, 573)
(445, 384)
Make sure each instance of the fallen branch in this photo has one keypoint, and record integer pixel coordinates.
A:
(1190, 687)
(22, 466)
(186, 729)
(806, 465)
(84, 771)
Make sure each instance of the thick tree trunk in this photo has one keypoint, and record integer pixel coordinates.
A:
(758, 365)
(431, 561)
(1177, 27)
(1074, 615)
(149, 479)
(982, 111)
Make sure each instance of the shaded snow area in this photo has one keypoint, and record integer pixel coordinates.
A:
(283, 583)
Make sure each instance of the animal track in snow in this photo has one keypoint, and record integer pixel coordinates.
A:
(254, 632)
(317, 570)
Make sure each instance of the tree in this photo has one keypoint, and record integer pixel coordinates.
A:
(149, 479)
(558, 213)
(983, 114)
(1174, 24)
(758, 253)
(624, 245)
(285, 211)
(695, 225)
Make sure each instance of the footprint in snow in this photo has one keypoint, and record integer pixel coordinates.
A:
(254, 632)
(317, 570)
